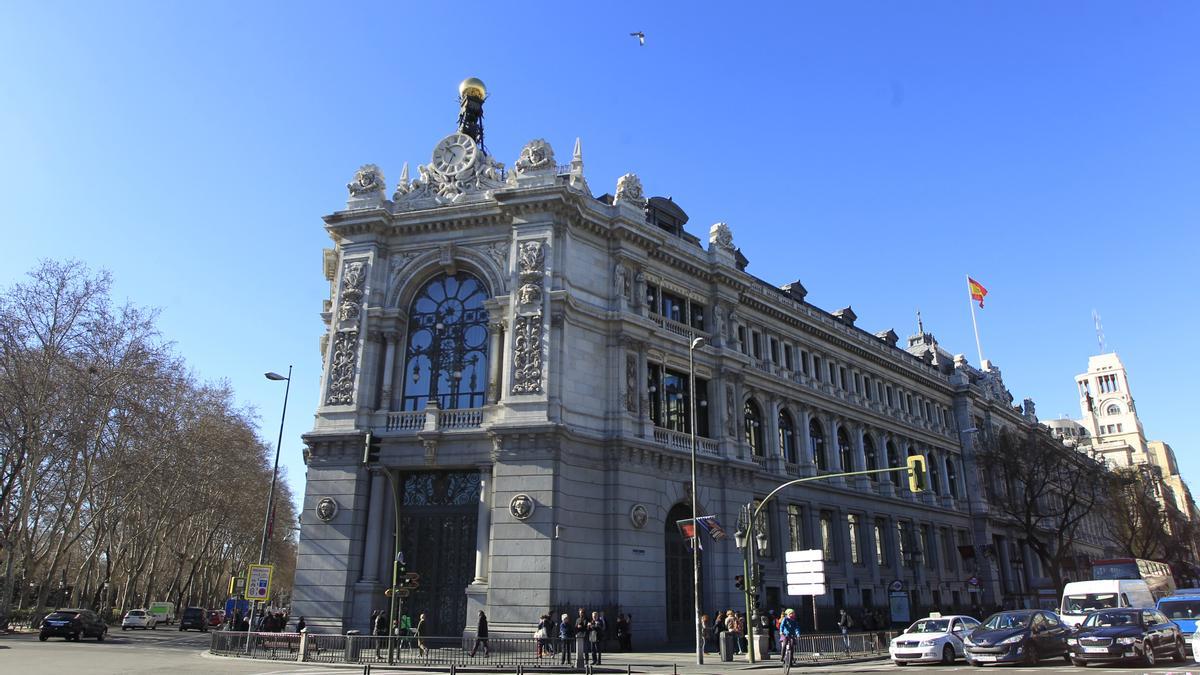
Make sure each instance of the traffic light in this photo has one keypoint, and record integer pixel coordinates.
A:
(916, 473)
(740, 582)
(756, 575)
(371, 449)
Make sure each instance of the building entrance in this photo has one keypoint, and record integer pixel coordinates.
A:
(681, 613)
(438, 517)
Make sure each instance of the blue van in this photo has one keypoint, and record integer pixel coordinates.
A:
(1183, 608)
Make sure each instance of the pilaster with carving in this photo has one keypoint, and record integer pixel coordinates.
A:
(528, 329)
(344, 351)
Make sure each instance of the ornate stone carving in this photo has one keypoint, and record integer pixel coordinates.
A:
(521, 507)
(721, 236)
(326, 509)
(629, 189)
(621, 281)
(404, 186)
(498, 251)
(354, 278)
(342, 366)
(638, 516)
(475, 180)
(631, 382)
(368, 180)
(527, 355)
(730, 420)
(536, 156)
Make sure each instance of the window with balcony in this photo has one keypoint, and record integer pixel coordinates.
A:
(880, 543)
(852, 536)
(893, 459)
(787, 437)
(795, 527)
(845, 450)
(447, 354)
(754, 432)
(871, 456)
(935, 476)
(669, 403)
(816, 440)
(952, 477)
(827, 549)
(804, 362)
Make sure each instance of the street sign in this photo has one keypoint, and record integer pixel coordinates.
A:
(805, 555)
(258, 582)
(806, 589)
(806, 578)
(401, 592)
(412, 576)
(807, 566)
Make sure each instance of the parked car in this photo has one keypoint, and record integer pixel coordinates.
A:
(1126, 634)
(139, 618)
(194, 617)
(215, 617)
(1184, 609)
(932, 639)
(1024, 635)
(72, 624)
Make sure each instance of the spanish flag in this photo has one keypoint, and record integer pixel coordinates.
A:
(977, 291)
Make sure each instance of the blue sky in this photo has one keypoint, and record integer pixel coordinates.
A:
(876, 151)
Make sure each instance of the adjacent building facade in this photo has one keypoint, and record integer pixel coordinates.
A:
(520, 349)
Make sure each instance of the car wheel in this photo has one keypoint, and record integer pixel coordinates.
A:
(153, 626)
(902, 663)
(1079, 663)
(181, 629)
(43, 638)
(1149, 655)
(75, 637)
(948, 655)
(1180, 652)
(977, 664)
(100, 637)
(124, 627)
(1067, 657)
(1031, 655)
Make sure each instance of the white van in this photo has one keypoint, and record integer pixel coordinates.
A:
(1081, 597)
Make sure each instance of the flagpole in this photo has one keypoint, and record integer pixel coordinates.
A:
(974, 323)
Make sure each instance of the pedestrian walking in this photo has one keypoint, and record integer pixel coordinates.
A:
(845, 623)
(379, 628)
(420, 633)
(481, 636)
(566, 638)
(301, 626)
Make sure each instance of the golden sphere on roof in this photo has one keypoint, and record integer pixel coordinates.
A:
(472, 87)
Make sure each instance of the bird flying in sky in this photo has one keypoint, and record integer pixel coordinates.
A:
(641, 38)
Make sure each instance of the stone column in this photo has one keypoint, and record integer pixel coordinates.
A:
(375, 516)
(495, 360)
(771, 446)
(860, 458)
(389, 374)
(483, 529)
(886, 487)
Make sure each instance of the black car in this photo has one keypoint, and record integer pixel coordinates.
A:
(1110, 635)
(194, 617)
(72, 624)
(1023, 635)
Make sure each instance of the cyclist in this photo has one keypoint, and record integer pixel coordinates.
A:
(789, 630)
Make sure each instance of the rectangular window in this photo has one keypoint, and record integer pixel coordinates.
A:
(652, 299)
(842, 378)
(880, 544)
(742, 339)
(804, 362)
(787, 357)
(1118, 428)
(852, 535)
(832, 373)
(929, 550)
(867, 387)
(673, 307)
(948, 550)
(697, 316)
(902, 543)
(795, 527)
(908, 403)
(774, 351)
(757, 341)
(891, 401)
(827, 536)
(858, 383)
(817, 367)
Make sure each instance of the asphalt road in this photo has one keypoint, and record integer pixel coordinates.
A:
(169, 651)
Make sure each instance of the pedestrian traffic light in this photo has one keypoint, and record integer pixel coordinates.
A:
(916, 473)
(371, 449)
(756, 575)
(740, 582)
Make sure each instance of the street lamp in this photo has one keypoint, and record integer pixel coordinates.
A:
(262, 549)
(696, 344)
(742, 539)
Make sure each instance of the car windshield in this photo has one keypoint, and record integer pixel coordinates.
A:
(930, 626)
(1104, 619)
(62, 616)
(1006, 621)
(1089, 602)
(1180, 609)
(136, 612)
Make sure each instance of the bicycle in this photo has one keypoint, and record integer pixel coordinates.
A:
(789, 649)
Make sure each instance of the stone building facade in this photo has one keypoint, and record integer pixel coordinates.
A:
(519, 347)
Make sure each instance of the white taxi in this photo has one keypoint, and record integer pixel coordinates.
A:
(935, 638)
(139, 618)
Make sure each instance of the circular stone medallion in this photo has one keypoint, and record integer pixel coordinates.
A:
(521, 506)
(327, 508)
(638, 516)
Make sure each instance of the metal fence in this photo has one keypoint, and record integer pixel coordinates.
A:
(495, 652)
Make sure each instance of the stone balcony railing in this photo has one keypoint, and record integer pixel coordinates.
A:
(432, 419)
(683, 441)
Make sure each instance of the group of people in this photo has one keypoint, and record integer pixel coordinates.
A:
(379, 628)
(579, 639)
(780, 628)
(731, 622)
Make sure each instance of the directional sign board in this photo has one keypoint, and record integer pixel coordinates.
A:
(258, 582)
(805, 572)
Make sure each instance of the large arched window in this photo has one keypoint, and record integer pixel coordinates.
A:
(952, 477)
(935, 474)
(447, 354)
(816, 440)
(871, 456)
(754, 433)
(1113, 409)
(845, 450)
(787, 437)
(893, 460)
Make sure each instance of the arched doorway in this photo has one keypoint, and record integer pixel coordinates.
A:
(681, 612)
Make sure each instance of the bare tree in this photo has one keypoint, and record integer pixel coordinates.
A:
(1044, 489)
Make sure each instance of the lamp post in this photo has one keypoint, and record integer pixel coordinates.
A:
(262, 549)
(749, 582)
(696, 343)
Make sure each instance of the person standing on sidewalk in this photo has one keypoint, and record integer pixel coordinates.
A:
(845, 623)
(581, 639)
(420, 633)
(566, 638)
(379, 627)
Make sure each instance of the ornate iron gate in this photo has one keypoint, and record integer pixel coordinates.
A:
(438, 520)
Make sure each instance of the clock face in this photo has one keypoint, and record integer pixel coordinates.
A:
(454, 154)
